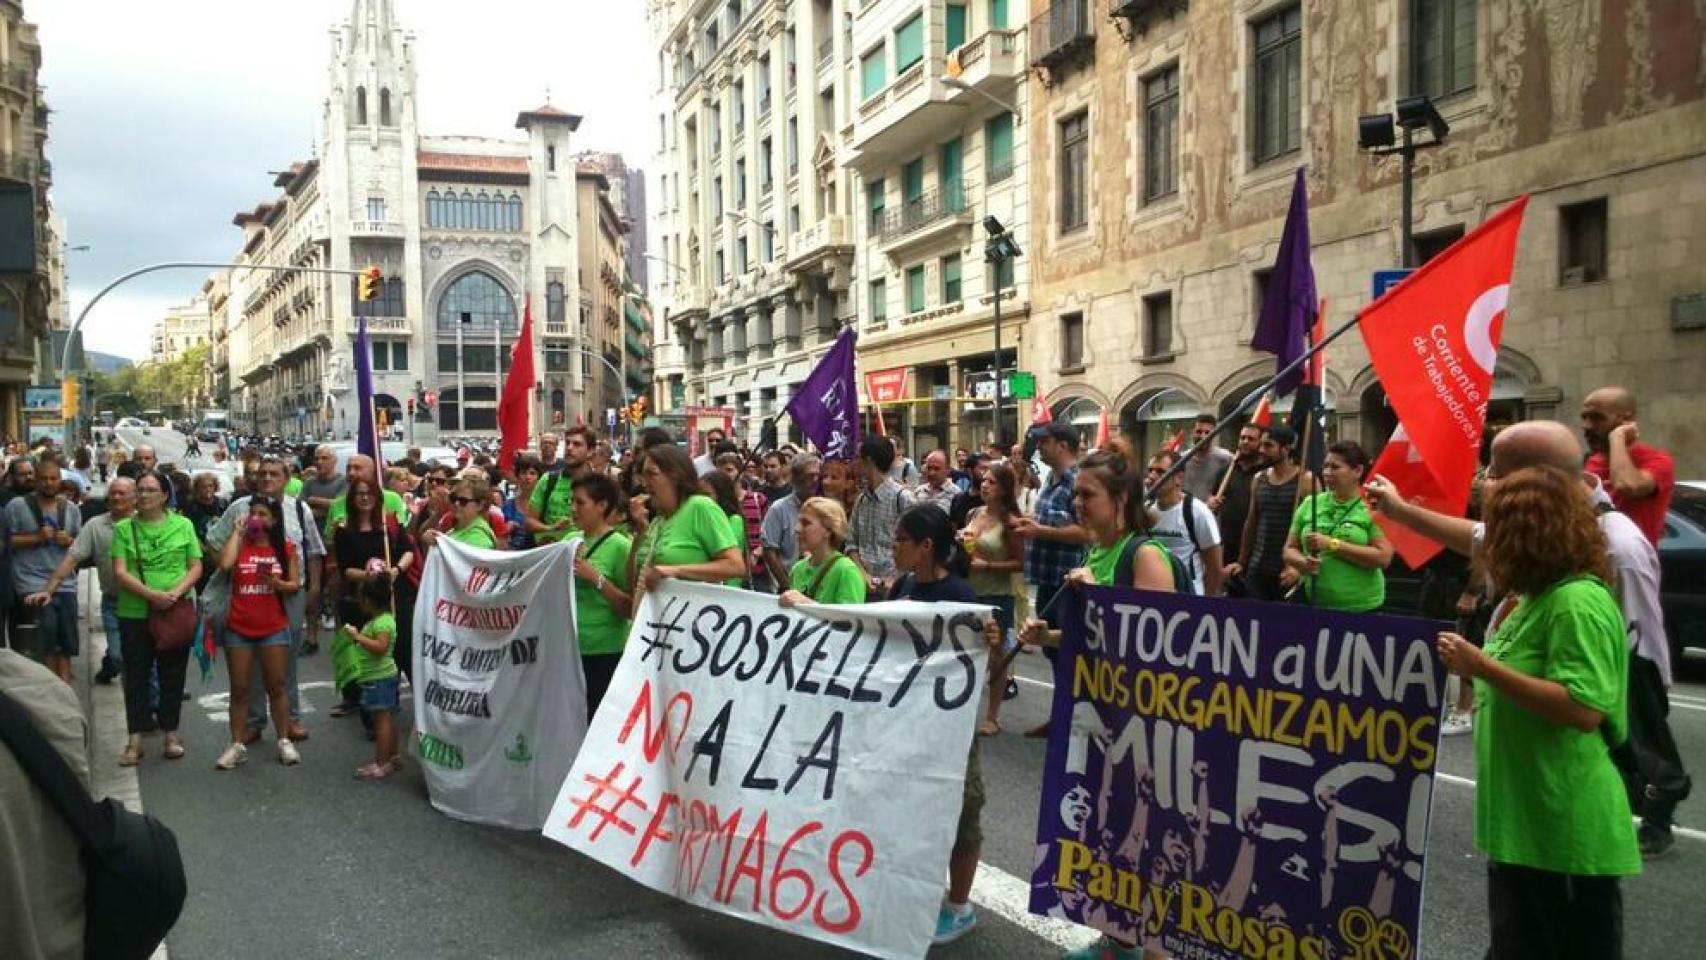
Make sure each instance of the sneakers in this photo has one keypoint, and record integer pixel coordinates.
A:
(952, 924)
(106, 674)
(1107, 948)
(287, 753)
(1011, 691)
(328, 622)
(1655, 840)
(235, 754)
(1456, 724)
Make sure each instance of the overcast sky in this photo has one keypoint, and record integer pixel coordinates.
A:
(167, 116)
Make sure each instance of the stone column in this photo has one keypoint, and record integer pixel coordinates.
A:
(737, 338)
(956, 383)
(792, 320)
(714, 343)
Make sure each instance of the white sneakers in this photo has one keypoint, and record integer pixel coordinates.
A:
(235, 754)
(1456, 724)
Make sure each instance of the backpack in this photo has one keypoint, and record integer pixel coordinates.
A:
(134, 884)
(1187, 511)
(1125, 568)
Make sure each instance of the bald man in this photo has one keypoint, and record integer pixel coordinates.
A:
(1657, 763)
(1638, 477)
(360, 466)
(937, 489)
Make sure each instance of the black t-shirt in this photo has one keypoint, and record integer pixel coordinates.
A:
(354, 548)
(949, 589)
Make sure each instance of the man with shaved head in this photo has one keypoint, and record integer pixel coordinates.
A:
(1638, 477)
(1662, 783)
(937, 489)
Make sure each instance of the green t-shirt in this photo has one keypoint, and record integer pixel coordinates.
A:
(1104, 562)
(293, 487)
(697, 533)
(377, 666)
(601, 631)
(476, 534)
(339, 511)
(842, 584)
(166, 549)
(1548, 795)
(558, 506)
(1341, 585)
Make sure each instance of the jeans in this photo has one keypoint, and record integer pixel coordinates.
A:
(139, 662)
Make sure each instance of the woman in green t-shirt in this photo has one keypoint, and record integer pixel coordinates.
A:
(601, 583)
(470, 498)
(156, 560)
(720, 487)
(1551, 811)
(689, 537)
(1335, 546)
(823, 574)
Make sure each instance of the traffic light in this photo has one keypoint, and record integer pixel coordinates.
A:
(411, 403)
(367, 285)
(68, 403)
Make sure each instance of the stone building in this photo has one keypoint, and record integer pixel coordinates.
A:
(603, 290)
(752, 203)
(1165, 139)
(936, 148)
(464, 229)
(30, 246)
(628, 196)
(183, 327)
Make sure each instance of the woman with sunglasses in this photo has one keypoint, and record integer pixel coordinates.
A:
(470, 498)
(156, 560)
(690, 537)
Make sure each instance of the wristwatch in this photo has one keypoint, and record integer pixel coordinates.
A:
(599, 583)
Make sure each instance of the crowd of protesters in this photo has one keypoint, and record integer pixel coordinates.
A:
(1552, 582)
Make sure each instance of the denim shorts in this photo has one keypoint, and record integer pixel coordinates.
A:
(56, 627)
(279, 639)
(379, 696)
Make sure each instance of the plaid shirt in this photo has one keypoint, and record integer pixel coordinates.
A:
(874, 516)
(1049, 561)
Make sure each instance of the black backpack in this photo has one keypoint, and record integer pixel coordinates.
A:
(1125, 568)
(134, 877)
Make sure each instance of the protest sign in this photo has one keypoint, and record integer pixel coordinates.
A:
(500, 703)
(800, 767)
(1229, 779)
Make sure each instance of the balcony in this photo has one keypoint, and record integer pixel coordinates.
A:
(388, 325)
(920, 104)
(934, 212)
(391, 229)
(17, 166)
(18, 78)
(825, 56)
(832, 234)
(1062, 37)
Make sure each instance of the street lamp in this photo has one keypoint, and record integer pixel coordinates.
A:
(1377, 134)
(999, 250)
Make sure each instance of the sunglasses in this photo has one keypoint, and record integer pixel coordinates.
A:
(436, 481)
(464, 501)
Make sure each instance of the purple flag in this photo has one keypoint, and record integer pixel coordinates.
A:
(367, 437)
(1289, 301)
(826, 405)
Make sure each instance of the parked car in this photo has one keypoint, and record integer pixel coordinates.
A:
(1682, 557)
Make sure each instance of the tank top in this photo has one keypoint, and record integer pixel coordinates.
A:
(1274, 505)
(989, 583)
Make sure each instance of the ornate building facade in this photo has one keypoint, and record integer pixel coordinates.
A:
(1163, 147)
(466, 231)
(31, 248)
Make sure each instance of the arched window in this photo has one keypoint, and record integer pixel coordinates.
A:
(361, 106)
(484, 204)
(514, 211)
(554, 305)
(432, 208)
(384, 107)
(465, 216)
(481, 299)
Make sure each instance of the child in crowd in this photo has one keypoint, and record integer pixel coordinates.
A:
(378, 674)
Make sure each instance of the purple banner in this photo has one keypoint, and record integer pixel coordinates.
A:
(826, 405)
(1229, 779)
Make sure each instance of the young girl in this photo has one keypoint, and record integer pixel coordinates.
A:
(377, 674)
(264, 568)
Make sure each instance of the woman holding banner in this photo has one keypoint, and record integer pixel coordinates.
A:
(823, 574)
(1551, 812)
(601, 583)
(689, 536)
(470, 498)
(1335, 545)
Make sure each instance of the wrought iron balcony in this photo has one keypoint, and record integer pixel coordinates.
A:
(948, 202)
(1062, 34)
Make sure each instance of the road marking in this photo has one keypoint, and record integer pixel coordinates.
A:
(1035, 683)
(218, 705)
(1009, 897)
(1453, 778)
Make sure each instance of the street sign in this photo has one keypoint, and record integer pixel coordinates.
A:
(1385, 280)
(887, 386)
(942, 391)
(1022, 385)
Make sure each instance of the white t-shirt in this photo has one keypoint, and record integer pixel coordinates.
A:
(1171, 530)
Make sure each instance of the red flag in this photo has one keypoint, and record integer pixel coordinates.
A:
(1102, 430)
(1434, 342)
(1174, 442)
(1315, 371)
(1264, 415)
(878, 410)
(1040, 413)
(514, 406)
(1400, 463)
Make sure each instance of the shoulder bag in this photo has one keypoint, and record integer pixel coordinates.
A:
(173, 628)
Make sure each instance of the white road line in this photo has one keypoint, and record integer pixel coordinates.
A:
(1688, 705)
(1009, 897)
(1035, 683)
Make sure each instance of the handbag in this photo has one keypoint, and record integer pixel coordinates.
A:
(173, 628)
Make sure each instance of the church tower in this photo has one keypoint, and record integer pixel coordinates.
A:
(368, 177)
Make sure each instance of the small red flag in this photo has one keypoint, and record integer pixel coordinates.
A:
(516, 402)
(1264, 415)
(1174, 442)
(878, 410)
(1040, 413)
(1400, 463)
(1102, 431)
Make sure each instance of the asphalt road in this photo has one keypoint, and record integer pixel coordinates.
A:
(308, 861)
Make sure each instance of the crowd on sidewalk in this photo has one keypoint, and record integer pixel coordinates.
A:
(1557, 560)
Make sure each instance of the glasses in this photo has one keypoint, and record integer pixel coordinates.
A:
(462, 501)
(143, 490)
(437, 481)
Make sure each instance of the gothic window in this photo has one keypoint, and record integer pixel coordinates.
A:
(485, 211)
(515, 211)
(465, 211)
(435, 209)
(476, 303)
(384, 107)
(555, 314)
(361, 106)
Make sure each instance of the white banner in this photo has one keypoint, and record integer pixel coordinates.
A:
(500, 702)
(797, 767)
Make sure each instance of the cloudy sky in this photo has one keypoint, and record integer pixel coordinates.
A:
(168, 115)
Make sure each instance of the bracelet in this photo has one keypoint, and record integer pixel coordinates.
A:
(599, 583)
(1333, 544)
